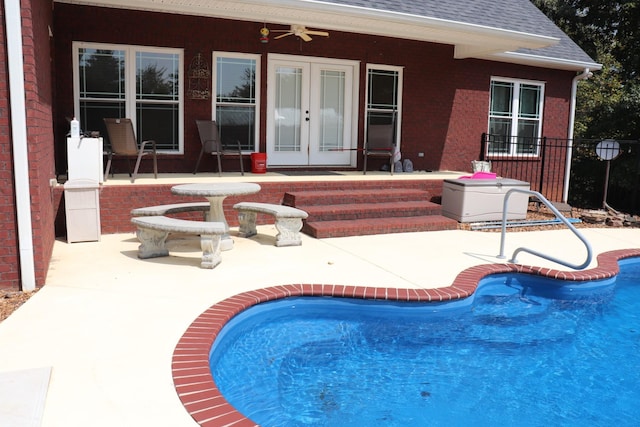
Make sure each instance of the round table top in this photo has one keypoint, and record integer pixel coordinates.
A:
(217, 189)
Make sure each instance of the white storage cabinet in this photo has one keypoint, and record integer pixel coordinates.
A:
(82, 209)
(85, 159)
(471, 200)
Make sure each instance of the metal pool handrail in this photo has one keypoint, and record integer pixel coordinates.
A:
(531, 251)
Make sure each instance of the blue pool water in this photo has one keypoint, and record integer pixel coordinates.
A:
(523, 351)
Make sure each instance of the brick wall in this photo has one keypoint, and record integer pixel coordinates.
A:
(37, 17)
(116, 202)
(445, 103)
(39, 97)
(469, 115)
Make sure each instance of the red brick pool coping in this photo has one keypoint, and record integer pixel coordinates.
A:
(190, 365)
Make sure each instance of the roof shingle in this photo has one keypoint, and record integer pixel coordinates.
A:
(513, 15)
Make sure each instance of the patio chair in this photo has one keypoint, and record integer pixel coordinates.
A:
(213, 144)
(124, 144)
(381, 141)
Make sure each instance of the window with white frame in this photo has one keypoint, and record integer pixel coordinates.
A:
(515, 117)
(236, 95)
(384, 94)
(138, 82)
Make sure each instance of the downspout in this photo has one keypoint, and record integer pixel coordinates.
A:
(13, 21)
(572, 120)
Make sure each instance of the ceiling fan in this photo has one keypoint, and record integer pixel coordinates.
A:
(302, 32)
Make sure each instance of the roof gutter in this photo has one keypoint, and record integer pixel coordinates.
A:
(13, 22)
(572, 120)
(542, 61)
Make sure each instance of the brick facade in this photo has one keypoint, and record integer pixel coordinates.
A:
(39, 97)
(37, 18)
(445, 101)
(116, 201)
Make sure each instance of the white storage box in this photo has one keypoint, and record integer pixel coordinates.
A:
(84, 159)
(470, 200)
(82, 208)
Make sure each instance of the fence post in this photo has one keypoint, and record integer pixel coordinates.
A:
(543, 158)
(483, 148)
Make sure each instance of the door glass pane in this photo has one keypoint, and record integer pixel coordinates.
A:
(288, 98)
(157, 76)
(331, 109)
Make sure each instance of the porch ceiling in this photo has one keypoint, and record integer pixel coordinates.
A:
(469, 40)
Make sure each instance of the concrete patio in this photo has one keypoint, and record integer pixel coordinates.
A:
(93, 347)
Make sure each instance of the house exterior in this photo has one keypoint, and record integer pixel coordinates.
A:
(299, 80)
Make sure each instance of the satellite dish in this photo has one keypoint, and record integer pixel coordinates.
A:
(608, 149)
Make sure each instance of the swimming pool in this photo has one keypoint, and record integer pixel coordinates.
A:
(200, 395)
(523, 350)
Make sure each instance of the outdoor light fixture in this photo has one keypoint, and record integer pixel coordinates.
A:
(264, 35)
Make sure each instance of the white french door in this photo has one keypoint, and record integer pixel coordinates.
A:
(311, 119)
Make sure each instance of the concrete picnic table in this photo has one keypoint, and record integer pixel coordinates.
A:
(216, 192)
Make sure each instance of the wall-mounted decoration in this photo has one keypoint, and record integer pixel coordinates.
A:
(199, 76)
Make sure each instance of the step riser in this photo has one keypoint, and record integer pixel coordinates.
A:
(319, 214)
(308, 198)
(347, 230)
(342, 213)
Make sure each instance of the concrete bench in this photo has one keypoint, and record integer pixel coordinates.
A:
(153, 231)
(288, 221)
(173, 209)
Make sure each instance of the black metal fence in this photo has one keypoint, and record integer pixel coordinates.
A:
(601, 171)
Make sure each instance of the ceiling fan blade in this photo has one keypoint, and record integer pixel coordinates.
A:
(317, 33)
(282, 35)
(305, 37)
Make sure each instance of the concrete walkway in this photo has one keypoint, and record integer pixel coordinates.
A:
(105, 325)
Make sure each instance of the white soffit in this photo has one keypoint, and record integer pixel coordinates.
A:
(469, 40)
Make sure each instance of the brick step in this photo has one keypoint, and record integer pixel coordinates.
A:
(370, 226)
(370, 210)
(336, 197)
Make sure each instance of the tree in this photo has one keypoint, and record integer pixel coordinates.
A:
(609, 102)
